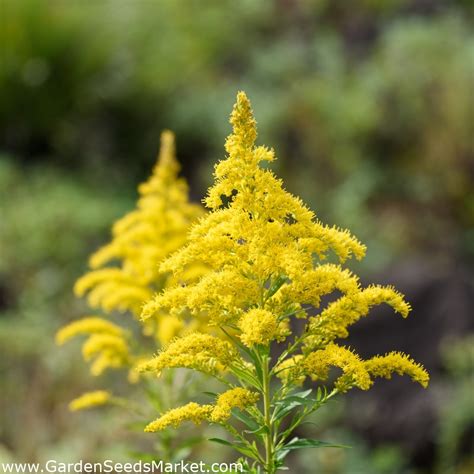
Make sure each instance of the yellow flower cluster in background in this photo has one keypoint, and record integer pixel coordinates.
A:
(141, 240)
(125, 272)
(89, 400)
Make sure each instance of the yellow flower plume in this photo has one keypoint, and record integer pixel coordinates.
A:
(355, 371)
(266, 257)
(142, 239)
(384, 366)
(88, 325)
(125, 272)
(256, 233)
(333, 322)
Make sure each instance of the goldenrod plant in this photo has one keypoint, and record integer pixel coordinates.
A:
(265, 254)
(125, 273)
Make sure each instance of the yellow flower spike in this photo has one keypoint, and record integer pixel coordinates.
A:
(90, 400)
(142, 239)
(109, 351)
(384, 366)
(317, 364)
(115, 345)
(333, 322)
(176, 416)
(255, 230)
(201, 352)
(234, 398)
(323, 280)
(88, 325)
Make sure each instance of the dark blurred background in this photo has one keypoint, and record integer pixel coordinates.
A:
(369, 105)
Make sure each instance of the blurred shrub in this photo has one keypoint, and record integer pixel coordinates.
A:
(456, 430)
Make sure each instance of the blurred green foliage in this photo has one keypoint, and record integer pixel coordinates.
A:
(49, 222)
(457, 420)
(368, 104)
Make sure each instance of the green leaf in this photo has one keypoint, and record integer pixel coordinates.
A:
(288, 404)
(285, 410)
(303, 394)
(277, 284)
(246, 419)
(221, 441)
(259, 431)
(240, 447)
(297, 443)
(242, 375)
(296, 401)
(211, 394)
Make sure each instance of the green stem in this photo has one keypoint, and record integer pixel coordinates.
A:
(269, 451)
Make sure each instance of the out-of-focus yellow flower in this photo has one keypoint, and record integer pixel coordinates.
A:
(89, 400)
(125, 272)
(109, 350)
(89, 325)
(168, 328)
(106, 343)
